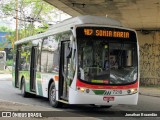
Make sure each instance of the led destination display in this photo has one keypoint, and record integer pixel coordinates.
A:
(105, 32)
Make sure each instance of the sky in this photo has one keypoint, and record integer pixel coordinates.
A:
(8, 22)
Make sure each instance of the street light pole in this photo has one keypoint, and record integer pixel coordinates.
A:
(16, 20)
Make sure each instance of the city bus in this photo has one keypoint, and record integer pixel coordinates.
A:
(2, 60)
(83, 60)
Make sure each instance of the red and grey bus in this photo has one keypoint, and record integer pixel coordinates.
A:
(82, 60)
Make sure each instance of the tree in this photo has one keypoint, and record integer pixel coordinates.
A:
(4, 43)
(11, 39)
(5, 29)
(30, 13)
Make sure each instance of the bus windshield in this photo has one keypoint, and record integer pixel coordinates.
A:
(107, 62)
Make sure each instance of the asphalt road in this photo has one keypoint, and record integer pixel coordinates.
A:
(145, 103)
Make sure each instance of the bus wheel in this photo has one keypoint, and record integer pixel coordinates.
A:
(52, 96)
(23, 91)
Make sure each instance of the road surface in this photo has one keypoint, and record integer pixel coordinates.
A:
(145, 103)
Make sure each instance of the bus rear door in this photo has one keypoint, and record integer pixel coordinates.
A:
(33, 69)
(17, 65)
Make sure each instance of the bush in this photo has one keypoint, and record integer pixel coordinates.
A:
(9, 62)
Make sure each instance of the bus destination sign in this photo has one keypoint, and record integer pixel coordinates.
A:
(105, 32)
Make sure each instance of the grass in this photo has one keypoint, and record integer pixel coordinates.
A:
(150, 86)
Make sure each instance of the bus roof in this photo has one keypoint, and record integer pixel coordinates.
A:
(3, 51)
(97, 20)
(67, 24)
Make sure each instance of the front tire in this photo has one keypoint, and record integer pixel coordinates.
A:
(52, 96)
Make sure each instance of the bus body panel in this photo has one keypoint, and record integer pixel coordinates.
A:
(42, 83)
(83, 98)
(25, 75)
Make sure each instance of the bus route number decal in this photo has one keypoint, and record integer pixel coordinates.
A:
(113, 92)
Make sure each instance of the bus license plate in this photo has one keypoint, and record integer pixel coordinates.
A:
(108, 98)
(113, 92)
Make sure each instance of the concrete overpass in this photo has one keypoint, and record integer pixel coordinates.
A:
(142, 15)
(136, 14)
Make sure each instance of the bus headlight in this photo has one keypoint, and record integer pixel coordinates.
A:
(132, 91)
(80, 89)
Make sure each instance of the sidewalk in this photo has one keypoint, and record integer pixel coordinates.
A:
(150, 91)
(5, 76)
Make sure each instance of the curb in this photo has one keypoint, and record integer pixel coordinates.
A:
(152, 95)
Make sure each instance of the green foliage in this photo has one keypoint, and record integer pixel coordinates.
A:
(42, 29)
(11, 38)
(9, 62)
(4, 43)
(9, 8)
(5, 29)
(29, 12)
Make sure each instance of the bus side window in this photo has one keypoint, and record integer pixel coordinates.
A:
(71, 63)
(24, 58)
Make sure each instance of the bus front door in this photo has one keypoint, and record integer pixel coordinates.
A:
(33, 70)
(63, 72)
(17, 65)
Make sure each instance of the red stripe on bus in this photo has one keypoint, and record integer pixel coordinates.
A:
(85, 85)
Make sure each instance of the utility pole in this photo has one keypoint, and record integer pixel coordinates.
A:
(16, 20)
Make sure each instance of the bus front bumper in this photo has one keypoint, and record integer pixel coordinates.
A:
(76, 97)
